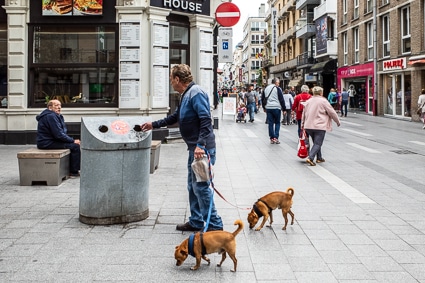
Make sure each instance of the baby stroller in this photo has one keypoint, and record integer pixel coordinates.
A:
(241, 112)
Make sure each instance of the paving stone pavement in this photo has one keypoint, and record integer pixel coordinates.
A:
(359, 217)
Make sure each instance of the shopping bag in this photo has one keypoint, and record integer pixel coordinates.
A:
(302, 148)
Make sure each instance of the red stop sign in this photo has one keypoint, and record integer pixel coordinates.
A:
(227, 14)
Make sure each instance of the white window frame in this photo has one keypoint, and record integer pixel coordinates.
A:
(369, 29)
(386, 36)
(369, 6)
(405, 30)
(356, 40)
(345, 47)
(384, 2)
(356, 9)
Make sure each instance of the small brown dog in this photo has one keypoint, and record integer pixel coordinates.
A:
(207, 243)
(265, 205)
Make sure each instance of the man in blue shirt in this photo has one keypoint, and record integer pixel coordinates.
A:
(194, 118)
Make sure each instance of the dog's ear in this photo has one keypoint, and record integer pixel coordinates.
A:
(177, 247)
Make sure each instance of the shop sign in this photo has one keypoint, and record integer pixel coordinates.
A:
(363, 70)
(186, 6)
(394, 64)
(310, 78)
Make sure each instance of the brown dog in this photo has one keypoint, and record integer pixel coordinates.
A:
(265, 205)
(207, 243)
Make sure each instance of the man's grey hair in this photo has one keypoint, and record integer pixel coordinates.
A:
(305, 88)
(275, 80)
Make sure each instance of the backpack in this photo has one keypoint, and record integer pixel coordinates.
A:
(301, 103)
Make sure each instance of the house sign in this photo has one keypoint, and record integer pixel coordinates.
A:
(394, 64)
(186, 6)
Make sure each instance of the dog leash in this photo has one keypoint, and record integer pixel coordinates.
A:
(214, 188)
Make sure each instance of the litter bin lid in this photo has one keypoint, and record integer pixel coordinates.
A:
(112, 133)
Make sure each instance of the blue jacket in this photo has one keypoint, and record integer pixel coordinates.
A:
(51, 128)
(194, 117)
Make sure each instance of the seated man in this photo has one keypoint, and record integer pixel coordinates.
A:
(52, 134)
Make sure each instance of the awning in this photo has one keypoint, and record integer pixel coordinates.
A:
(294, 82)
(324, 67)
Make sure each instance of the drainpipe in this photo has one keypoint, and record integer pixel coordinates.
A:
(375, 62)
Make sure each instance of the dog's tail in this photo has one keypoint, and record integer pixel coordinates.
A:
(240, 224)
(290, 191)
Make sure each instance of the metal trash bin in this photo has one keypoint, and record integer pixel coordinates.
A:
(115, 164)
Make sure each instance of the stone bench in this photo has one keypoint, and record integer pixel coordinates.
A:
(155, 149)
(49, 166)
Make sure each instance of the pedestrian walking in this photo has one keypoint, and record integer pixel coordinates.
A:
(273, 103)
(289, 100)
(316, 120)
(251, 102)
(344, 102)
(194, 118)
(298, 105)
(421, 105)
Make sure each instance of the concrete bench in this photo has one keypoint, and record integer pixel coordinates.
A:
(49, 166)
(155, 149)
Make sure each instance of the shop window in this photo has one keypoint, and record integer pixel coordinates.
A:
(74, 64)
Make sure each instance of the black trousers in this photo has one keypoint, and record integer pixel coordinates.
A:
(75, 156)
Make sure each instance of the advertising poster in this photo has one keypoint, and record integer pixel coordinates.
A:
(72, 7)
(322, 35)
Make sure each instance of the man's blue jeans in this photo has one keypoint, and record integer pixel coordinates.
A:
(251, 110)
(200, 195)
(273, 121)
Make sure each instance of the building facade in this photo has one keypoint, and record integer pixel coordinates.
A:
(252, 45)
(109, 59)
(386, 68)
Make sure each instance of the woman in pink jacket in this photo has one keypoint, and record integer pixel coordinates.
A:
(316, 120)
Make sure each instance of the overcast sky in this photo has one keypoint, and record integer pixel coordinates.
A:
(248, 8)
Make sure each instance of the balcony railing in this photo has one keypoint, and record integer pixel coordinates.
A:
(305, 58)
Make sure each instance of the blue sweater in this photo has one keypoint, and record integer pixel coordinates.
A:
(194, 117)
(51, 128)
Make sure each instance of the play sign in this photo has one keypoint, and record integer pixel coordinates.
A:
(227, 14)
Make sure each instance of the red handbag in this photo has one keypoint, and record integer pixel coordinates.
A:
(302, 149)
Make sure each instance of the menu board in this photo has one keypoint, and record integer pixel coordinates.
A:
(129, 70)
(206, 60)
(206, 81)
(129, 97)
(160, 86)
(72, 7)
(130, 54)
(160, 56)
(160, 35)
(130, 34)
(206, 40)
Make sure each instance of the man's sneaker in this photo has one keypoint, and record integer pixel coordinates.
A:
(320, 160)
(272, 141)
(276, 141)
(77, 174)
(186, 227)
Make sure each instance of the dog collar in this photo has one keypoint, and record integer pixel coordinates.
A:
(257, 211)
(270, 209)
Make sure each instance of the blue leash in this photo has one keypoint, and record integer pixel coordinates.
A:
(211, 182)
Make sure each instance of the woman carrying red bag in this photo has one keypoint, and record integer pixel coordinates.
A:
(316, 120)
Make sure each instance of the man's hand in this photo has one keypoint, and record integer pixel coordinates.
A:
(146, 126)
(77, 141)
(198, 153)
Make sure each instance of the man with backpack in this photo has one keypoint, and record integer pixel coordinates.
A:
(298, 105)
